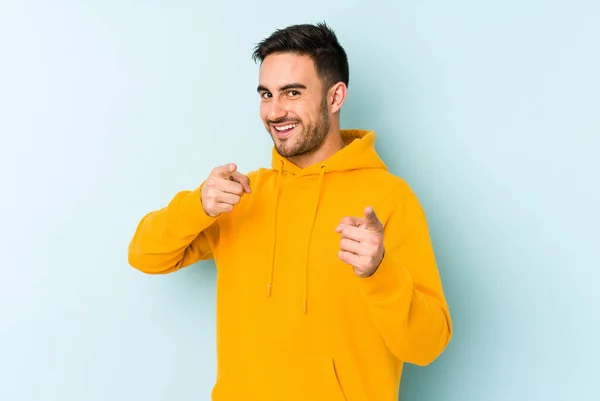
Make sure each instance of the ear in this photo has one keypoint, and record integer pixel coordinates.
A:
(337, 96)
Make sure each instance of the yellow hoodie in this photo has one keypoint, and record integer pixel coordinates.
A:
(294, 322)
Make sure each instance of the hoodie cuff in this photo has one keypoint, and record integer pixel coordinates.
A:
(193, 217)
(388, 280)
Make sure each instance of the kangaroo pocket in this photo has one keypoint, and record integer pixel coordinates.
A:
(282, 377)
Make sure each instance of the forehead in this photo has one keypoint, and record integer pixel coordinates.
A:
(282, 69)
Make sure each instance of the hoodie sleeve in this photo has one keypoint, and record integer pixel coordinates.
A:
(175, 236)
(405, 293)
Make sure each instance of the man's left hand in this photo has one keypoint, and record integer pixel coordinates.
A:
(361, 244)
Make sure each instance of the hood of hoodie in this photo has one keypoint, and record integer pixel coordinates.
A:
(358, 153)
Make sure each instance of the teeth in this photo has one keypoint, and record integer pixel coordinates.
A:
(286, 127)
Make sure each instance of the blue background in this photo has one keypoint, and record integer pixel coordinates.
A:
(490, 110)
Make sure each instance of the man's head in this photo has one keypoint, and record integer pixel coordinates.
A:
(303, 82)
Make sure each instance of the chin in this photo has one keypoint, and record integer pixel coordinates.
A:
(284, 151)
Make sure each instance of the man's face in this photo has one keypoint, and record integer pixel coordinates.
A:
(293, 105)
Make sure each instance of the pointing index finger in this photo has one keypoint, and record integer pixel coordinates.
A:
(371, 217)
(225, 171)
(229, 172)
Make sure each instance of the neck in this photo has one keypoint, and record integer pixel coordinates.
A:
(333, 143)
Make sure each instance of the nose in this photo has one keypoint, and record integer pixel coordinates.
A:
(276, 110)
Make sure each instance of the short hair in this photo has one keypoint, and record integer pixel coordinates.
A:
(318, 41)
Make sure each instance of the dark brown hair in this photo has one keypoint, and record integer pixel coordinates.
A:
(318, 41)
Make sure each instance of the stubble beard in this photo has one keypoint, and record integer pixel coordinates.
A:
(309, 140)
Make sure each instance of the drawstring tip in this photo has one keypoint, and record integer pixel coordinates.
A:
(304, 308)
(268, 290)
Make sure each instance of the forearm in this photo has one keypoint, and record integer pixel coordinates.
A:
(173, 237)
(405, 292)
(416, 326)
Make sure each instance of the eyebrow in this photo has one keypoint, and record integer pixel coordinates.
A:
(283, 88)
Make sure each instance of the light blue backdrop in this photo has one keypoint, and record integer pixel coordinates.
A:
(490, 110)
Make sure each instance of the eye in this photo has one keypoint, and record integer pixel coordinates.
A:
(266, 95)
(293, 93)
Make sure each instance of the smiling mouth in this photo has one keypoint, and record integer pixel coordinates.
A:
(284, 130)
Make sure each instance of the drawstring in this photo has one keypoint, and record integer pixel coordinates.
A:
(305, 298)
(277, 189)
(314, 217)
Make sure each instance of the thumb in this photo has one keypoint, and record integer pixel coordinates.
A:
(242, 179)
(231, 167)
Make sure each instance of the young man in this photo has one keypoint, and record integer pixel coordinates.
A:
(327, 281)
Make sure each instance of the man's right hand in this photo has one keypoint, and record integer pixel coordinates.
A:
(223, 189)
